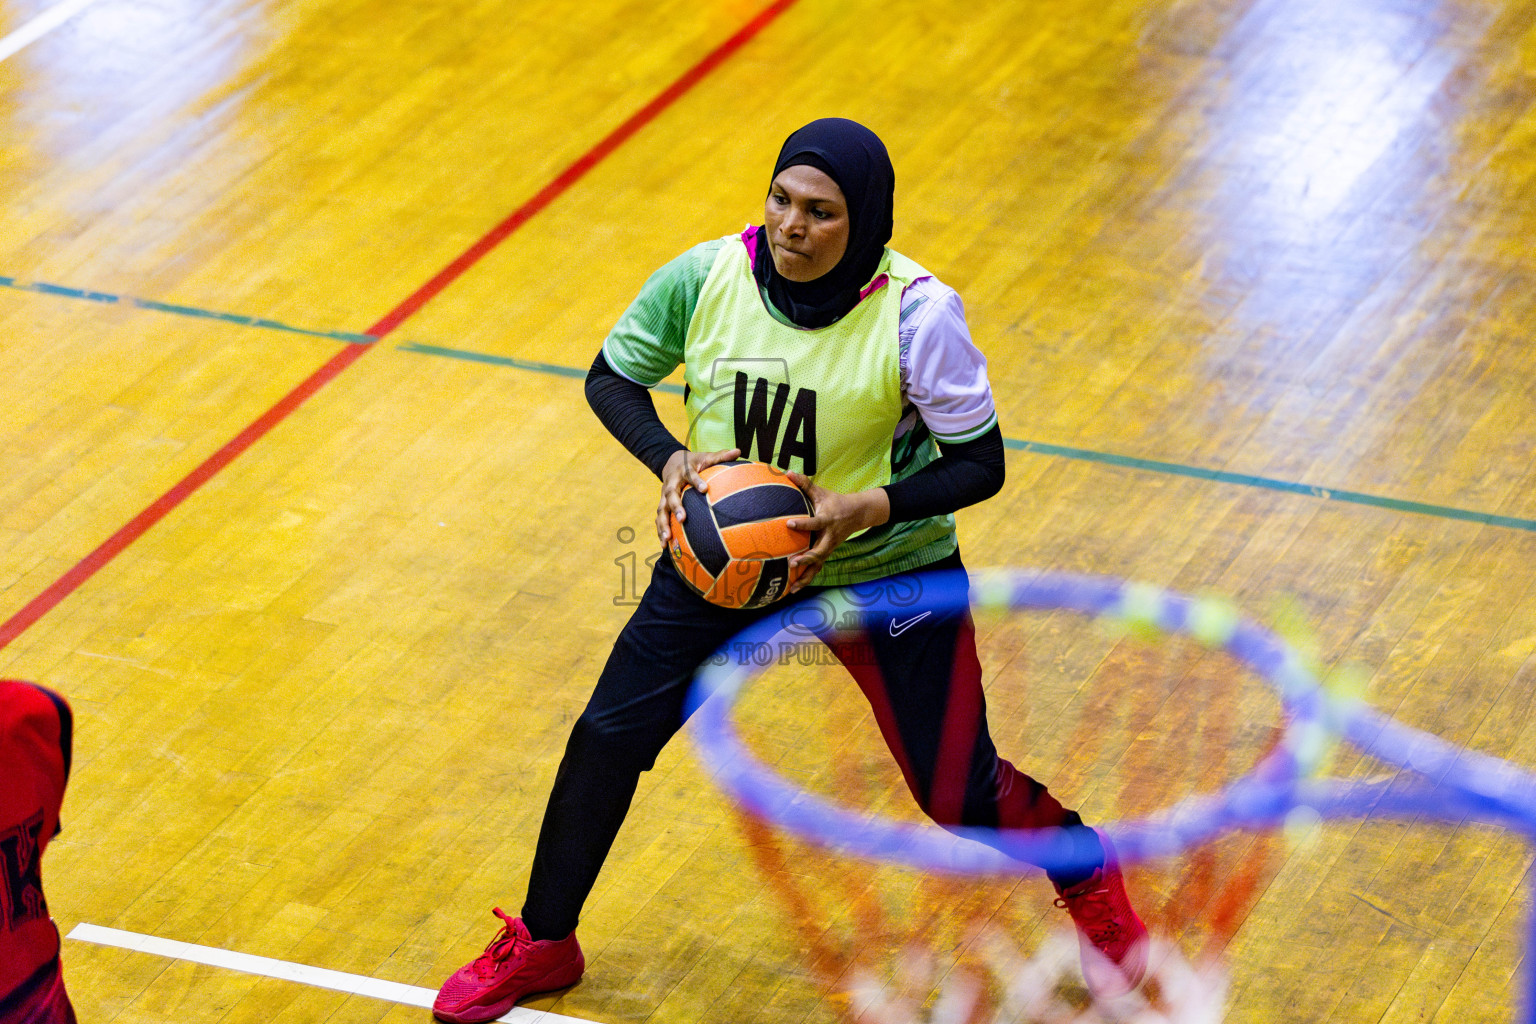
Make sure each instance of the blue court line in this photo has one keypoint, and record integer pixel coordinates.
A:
(43, 288)
(1088, 455)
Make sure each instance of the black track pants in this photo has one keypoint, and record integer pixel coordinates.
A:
(919, 671)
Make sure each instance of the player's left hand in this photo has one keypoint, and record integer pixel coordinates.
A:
(836, 517)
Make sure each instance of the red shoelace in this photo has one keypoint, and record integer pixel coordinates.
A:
(501, 948)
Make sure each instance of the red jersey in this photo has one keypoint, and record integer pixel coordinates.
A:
(36, 734)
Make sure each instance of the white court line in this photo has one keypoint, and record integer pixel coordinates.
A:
(319, 977)
(41, 25)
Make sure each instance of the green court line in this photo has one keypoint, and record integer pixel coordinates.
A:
(1088, 455)
(1035, 447)
(44, 288)
(1268, 483)
(518, 364)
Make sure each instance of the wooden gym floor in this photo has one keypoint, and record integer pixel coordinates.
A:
(304, 511)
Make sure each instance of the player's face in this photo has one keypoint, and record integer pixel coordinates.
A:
(807, 220)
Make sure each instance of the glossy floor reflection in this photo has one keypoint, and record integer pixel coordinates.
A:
(321, 699)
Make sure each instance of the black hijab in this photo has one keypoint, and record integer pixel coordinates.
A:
(855, 158)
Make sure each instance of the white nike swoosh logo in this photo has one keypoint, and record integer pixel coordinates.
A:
(898, 628)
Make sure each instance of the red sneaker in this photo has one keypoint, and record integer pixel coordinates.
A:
(512, 966)
(1112, 939)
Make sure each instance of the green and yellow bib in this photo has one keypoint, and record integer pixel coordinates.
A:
(822, 402)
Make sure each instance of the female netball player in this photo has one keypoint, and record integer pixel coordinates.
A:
(810, 345)
(36, 740)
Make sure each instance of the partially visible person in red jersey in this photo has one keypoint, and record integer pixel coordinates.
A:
(36, 736)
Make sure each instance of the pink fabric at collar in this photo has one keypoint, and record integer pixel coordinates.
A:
(749, 239)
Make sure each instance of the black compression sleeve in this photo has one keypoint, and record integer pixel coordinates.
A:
(628, 412)
(968, 472)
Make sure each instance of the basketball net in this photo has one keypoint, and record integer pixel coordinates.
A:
(889, 945)
(1045, 988)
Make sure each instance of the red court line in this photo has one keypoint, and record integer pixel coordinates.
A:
(136, 527)
(574, 173)
(162, 506)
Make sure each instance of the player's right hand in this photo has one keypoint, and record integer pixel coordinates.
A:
(682, 470)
